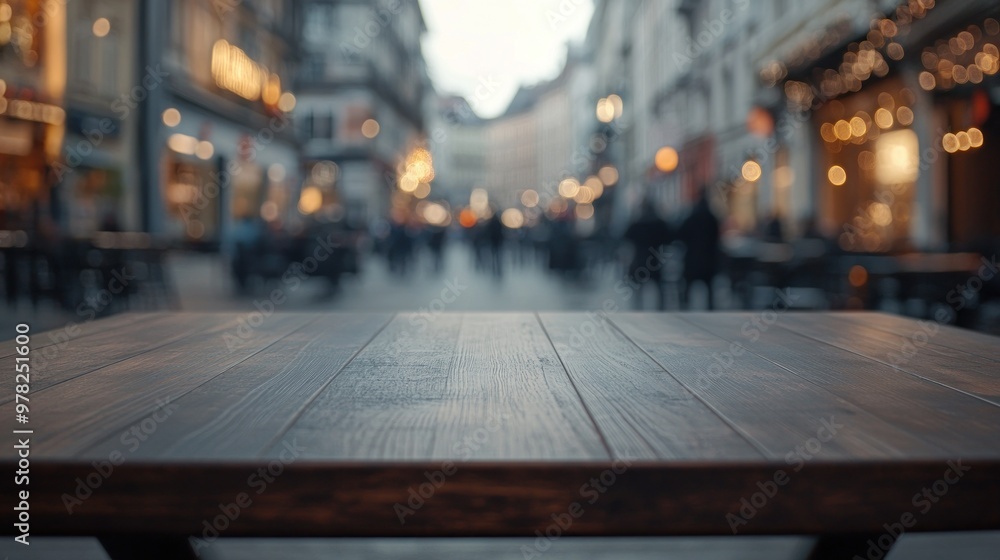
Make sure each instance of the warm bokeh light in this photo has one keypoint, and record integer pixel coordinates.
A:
(271, 93)
(950, 143)
(584, 195)
(529, 198)
(858, 276)
(269, 211)
(467, 218)
(964, 142)
(842, 129)
(883, 118)
(311, 200)
(171, 117)
(584, 211)
(325, 173)
(287, 102)
(416, 172)
(370, 128)
(927, 81)
(408, 183)
(880, 213)
(101, 27)
(276, 173)
(594, 183)
(837, 175)
(183, 144)
(751, 171)
(479, 201)
(617, 106)
(904, 115)
(897, 157)
(204, 150)
(608, 175)
(436, 214)
(512, 218)
(975, 137)
(605, 110)
(568, 187)
(858, 127)
(827, 133)
(666, 159)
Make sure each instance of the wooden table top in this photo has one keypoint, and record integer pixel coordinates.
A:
(652, 424)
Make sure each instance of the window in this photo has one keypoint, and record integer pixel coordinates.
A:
(318, 23)
(318, 126)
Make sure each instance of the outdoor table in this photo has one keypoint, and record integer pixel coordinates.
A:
(147, 429)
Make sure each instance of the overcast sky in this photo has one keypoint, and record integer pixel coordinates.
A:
(485, 49)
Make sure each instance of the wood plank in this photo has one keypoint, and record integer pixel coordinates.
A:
(514, 499)
(939, 336)
(474, 386)
(71, 416)
(384, 404)
(72, 331)
(958, 424)
(778, 410)
(641, 411)
(240, 412)
(959, 372)
(117, 344)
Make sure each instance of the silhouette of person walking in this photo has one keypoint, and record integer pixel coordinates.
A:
(494, 238)
(700, 235)
(646, 235)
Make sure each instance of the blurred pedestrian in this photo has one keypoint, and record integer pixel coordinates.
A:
(774, 230)
(647, 235)
(400, 246)
(435, 242)
(700, 235)
(494, 236)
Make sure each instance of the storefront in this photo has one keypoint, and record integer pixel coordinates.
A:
(215, 173)
(868, 167)
(223, 151)
(25, 163)
(961, 73)
(32, 120)
(902, 119)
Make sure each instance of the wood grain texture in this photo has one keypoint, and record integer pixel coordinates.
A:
(73, 331)
(962, 372)
(104, 403)
(778, 410)
(642, 412)
(957, 424)
(515, 499)
(239, 413)
(80, 357)
(940, 338)
(473, 386)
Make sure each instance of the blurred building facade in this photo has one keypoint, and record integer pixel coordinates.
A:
(363, 90)
(868, 121)
(214, 97)
(458, 143)
(97, 181)
(33, 68)
(513, 149)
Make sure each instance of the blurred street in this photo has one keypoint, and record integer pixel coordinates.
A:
(204, 284)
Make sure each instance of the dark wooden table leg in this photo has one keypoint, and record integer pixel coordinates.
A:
(848, 547)
(148, 547)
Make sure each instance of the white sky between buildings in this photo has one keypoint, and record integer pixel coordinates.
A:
(485, 49)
